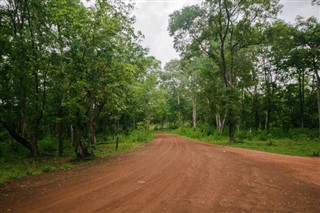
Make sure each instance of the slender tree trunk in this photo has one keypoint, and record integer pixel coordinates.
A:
(231, 114)
(72, 138)
(315, 68)
(243, 111)
(268, 116)
(268, 94)
(60, 139)
(38, 111)
(34, 145)
(117, 132)
(91, 122)
(223, 122)
(78, 143)
(91, 132)
(231, 130)
(256, 112)
(318, 95)
(179, 108)
(194, 112)
(18, 137)
(301, 97)
(60, 132)
(220, 121)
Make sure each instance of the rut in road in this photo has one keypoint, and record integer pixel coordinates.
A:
(174, 174)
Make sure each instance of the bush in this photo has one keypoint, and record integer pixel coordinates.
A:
(243, 135)
(239, 141)
(263, 136)
(271, 143)
(48, 169)
(137, 136)
(316, 154)
(206, 129)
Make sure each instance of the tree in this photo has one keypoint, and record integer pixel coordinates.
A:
(65, 66)
(24, 70)
(228, 30)
(307, 42)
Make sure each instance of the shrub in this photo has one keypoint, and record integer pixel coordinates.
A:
(271, 143)
(47, 146)
(48, 169)
(263, 137)
(243, 135)
(239, 141)
(316, 154)
(206, 129)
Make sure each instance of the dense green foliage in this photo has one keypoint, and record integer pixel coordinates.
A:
(294, 142)
(15, 161)
(76, 83)
(69, 72)
(242, 69)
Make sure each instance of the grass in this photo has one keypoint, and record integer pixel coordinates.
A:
(16, 162)
(18, 168)
(295, 143)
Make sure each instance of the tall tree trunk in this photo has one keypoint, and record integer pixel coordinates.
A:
(243, 111)
(268, 115)
(18, 137)
(91, 132)
(34, 145)
(38, 110)
(91, 122)
(179, 108)
(194, 112)
(60, 132)
(318, 95)
(72, 136)
(315, 68)
(301, 97)
(256, 112)
(117, 131)
(268, 94)
(231, 116)
(231, 127)
(220, 121)
(78, 143)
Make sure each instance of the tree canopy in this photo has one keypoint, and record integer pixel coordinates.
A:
(72, 71)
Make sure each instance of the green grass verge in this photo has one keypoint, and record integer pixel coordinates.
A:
(16, 162)
(294, 144)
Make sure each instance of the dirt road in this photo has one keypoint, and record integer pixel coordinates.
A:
(173, 174)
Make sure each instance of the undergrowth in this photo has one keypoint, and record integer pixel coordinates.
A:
(295, 142)
(16, 162)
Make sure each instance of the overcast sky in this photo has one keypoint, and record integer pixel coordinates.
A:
(152, 20)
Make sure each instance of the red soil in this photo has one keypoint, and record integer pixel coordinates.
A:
(173, 174)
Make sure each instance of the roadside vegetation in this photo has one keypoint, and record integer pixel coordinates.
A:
(296, 142)
(76, 83)
(16, 161)
(245, 78)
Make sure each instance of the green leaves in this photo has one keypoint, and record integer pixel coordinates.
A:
(257, 63)
(66, 64)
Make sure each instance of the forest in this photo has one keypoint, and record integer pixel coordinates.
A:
(245, 69)
(75, 76)
(70, 72)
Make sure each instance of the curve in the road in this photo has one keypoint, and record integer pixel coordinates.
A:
(174, 174)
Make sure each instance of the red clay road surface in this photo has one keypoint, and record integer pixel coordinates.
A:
(174, 174)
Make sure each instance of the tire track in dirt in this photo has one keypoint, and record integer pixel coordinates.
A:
(174, 174)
